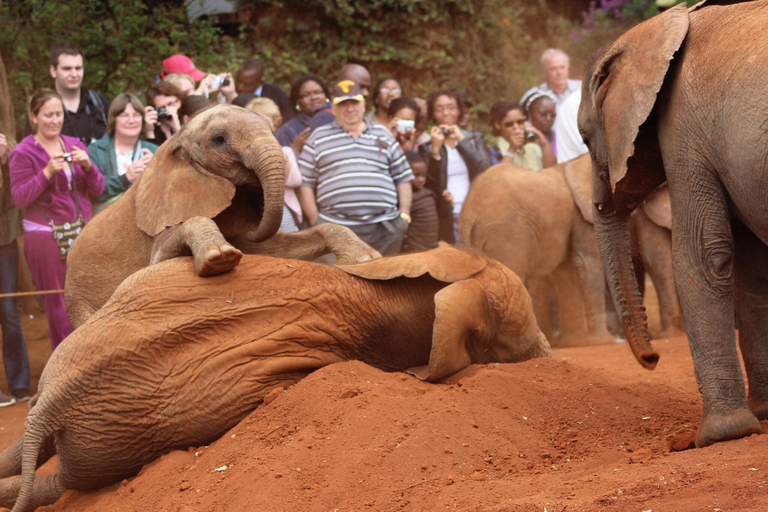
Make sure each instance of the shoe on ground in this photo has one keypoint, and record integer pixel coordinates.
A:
(6, 400)
(21, 395)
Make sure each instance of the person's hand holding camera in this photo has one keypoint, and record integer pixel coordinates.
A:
(56, 164)
(538, 136)
(81, 158)
(136, 168)
(451, 131)
(150, 120)
(438, 139)
(228, 87)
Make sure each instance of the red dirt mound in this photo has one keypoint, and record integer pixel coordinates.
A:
(586, 430)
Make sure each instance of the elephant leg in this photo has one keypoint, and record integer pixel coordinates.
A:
(751, 269)
(570, 302)
(704, 255)
(200, 237)
(543, 295)
(10, 459)
(656, 251)
(45, 491)
(314, 242)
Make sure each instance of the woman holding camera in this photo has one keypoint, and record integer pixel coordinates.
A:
(528, 146)
(52, 178)
(120, 155)
(164, 101)
(454, 158)
(404, 115)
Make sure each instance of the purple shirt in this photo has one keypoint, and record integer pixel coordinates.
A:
(30, 189)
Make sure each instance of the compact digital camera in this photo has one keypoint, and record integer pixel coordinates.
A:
(405, 125)
(219, 82)
(163, 115)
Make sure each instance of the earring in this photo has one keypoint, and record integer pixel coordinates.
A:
(297, 108)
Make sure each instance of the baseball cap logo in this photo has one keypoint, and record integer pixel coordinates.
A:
(346, 85)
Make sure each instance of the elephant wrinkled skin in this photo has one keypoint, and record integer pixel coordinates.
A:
(681, 98)
(214, 190)
(175, 360)
(532, 222)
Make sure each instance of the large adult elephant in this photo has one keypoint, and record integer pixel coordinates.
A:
(174, 360)
(214, 190)
(682, 98)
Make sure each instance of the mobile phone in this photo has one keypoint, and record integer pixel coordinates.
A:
(530, 136)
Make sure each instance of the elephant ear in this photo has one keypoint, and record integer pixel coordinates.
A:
(658, 207)
(578, 175)
(446, 263)
(175, 188)
(462, 319)
(626, 79)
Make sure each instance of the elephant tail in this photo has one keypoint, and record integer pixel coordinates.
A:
(39, 429)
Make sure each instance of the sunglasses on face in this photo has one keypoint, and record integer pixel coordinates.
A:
(387, 90)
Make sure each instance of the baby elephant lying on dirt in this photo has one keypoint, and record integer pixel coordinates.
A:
(174, 360)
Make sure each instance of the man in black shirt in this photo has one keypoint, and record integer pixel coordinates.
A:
(85, 111)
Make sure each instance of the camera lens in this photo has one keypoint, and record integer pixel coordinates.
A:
(225, 82)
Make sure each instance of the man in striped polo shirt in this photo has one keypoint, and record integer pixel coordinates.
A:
(356, 175)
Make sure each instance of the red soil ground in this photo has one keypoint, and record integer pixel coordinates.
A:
(587, 430)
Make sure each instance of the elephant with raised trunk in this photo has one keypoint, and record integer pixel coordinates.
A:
(175, 360)
(214, 190)
(681, 98)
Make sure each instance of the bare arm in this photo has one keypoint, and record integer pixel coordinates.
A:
(308, 203)
(405, 197)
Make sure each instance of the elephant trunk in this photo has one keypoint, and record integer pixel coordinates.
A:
(268, 162)
(613, 239)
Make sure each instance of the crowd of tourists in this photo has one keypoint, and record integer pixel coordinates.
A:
(393, 168)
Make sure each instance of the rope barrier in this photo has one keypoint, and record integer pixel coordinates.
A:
(24, 294)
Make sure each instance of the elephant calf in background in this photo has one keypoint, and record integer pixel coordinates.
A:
(175, 360)
(540, 225)
(214, 190)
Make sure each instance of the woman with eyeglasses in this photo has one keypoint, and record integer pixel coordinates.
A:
(455, 157)
(120, 155)
(309, 96)
(527, 147)
(386, 90)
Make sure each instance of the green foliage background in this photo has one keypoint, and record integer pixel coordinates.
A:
(489, 48)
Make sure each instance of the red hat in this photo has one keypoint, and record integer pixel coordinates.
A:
(181, 64)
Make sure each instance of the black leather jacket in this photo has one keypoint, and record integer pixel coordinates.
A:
(475, 154)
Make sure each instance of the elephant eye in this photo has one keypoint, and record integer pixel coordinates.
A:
(220, 139)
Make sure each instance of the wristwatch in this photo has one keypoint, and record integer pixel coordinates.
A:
(406, 217)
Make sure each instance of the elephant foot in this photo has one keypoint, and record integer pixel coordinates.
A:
(758, 407)
(356, 251)
(722, 427)
(217, 260)
(9, 491)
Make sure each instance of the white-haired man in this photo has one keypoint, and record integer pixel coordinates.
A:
(554, 66)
